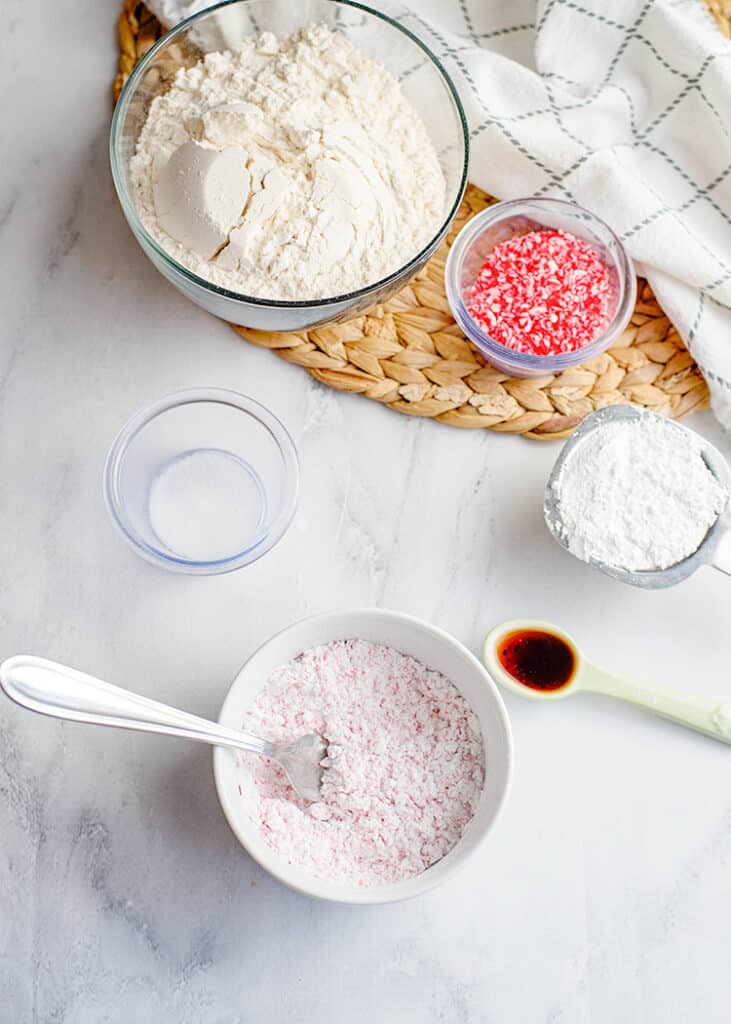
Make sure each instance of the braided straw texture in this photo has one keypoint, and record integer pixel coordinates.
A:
(410, 354)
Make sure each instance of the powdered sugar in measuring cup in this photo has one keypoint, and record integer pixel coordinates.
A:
(641, 497)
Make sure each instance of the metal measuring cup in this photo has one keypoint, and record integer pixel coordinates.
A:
(715, 549)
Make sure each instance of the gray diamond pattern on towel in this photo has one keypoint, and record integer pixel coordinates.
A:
(621, 107)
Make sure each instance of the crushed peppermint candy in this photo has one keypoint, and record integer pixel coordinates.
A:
(404, 771)
(544, 292)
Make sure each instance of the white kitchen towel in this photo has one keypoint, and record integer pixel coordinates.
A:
(622, 107)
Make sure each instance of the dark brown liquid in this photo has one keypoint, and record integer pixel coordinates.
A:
(537, 659)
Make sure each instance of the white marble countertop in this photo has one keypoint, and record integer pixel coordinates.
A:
(604, 893)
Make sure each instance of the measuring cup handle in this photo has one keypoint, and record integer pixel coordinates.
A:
(721, 558)
(703, 714)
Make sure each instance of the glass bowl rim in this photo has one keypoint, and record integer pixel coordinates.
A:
(133, 218)
(192, 396)
(528, 360)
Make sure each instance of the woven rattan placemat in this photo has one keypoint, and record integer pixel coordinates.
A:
(410, 354)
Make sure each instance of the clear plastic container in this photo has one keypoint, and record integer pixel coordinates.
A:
(502, 221)
(204, 481)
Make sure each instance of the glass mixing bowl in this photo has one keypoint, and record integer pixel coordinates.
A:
(423, 80)
(502, 221)
(202, 482)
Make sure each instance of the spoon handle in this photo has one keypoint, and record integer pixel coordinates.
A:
(62, 692)
(704, 714)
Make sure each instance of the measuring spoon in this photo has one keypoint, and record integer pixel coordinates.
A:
(715, 549)
(708, 715)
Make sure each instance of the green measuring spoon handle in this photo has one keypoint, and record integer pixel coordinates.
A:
(708, 715)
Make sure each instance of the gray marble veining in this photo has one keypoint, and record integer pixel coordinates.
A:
(604, 893)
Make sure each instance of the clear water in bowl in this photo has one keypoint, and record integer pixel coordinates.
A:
(206, 504)
(202, 482)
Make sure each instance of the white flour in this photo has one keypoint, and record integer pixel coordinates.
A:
(288, 169)
(636, 494)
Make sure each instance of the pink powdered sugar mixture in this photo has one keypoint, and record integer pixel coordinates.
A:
(404, 771)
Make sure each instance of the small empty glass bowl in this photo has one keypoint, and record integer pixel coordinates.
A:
(423, 80)
(202, 482)
(502, 221)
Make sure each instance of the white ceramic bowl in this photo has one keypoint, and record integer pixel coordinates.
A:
(435, 649)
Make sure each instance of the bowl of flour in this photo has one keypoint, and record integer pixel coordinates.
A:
(289, 165)
(418, 766)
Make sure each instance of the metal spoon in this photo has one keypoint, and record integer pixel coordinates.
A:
(62, 692)
(714, 550)
(708, 715)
